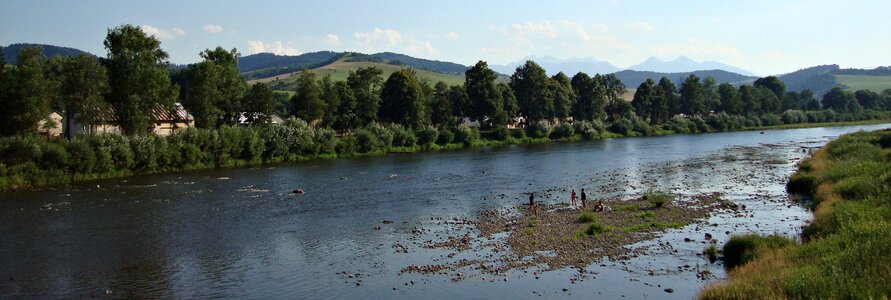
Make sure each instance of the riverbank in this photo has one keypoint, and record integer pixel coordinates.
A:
(34, 163)
(846, 251)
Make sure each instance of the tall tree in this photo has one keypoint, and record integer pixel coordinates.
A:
(790, 101)
(692, 99)
(590, 98)
(84, 84)
(138, 80)
(730, 102)
(460, 102)
(772, 83)
(530, 85)
(840, 100)
(331, 98)
(366, 84)
(402, 100)
(643, 100)
(509, 99)
(485, 100)
(200, 93)
(564, 96)
(307, 100)
(770, 104)
(27, 98)
(710, 95)
(258, 104)
(231, 85)
(672, 99)
(347, 117)
(748, 96)
(440, 106)
(869, 99)
(808, 101)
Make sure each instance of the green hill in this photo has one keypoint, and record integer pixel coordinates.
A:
(864, 82)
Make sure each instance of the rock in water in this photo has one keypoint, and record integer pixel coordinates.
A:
(669, 290)
(298, 191)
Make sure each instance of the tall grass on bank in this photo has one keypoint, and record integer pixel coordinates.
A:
(846, 253)
(33, 162)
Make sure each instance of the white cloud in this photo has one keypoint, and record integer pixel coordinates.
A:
(422, 48)
(390, 36)
(276, 47)
(452, 36)
(332, 39)
(640, 25)
(178, 31)
(703, 49)
(211, 28)
(157, 33)
(774, 54)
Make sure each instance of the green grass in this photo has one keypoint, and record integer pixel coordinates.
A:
(587, 217)
(645, 215)
(651, 225)
(658, 199)
(847, 248)
(597, 228)
(865, 82)
(340, 70)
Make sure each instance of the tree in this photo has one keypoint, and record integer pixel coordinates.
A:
(440, 106)
(869, 99)
(509, 99)
(672, 100)
(84, 84)
(808, 101)
(730, 102)
(692, 99)
(258, 104)
(230, 84)
(530, 85)
(347, 117)
(790, 101)
(643, 99)
(485, 100)
(770, 104)
(365, 84)
(710, 95)
(748, 96)
(840, 100)
(459, 100)
(138, 80)
(772, 83)
(402, 100)
(27, 95)
(307, 100)
(590, 98)
(564, 96)
(331, 98)
(201, 93)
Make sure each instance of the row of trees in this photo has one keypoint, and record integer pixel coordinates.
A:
(135, 77)
(131, 81)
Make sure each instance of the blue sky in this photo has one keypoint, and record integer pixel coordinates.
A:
(765, 37)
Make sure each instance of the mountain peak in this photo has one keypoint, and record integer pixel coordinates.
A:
(683, 64)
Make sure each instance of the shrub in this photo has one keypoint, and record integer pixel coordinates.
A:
(518, 134)
(383, 136)
(325, 140)
(427, 135)
(366, 141)
(596, 228)
(346, 145)
(402, 137)
(658, 199)
(537, 130)
(770, 120)
(563, 130)
(587, 217)
(586, 129)
(741, 249)
(81, 159)
(500, 133)
(445, 136)
(465, 134)
(622, 126)
(54, 157)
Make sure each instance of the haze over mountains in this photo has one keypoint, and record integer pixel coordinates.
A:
(267, 66)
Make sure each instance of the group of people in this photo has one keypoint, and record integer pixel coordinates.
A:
(599, 207)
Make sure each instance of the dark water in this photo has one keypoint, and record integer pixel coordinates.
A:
(241, 233)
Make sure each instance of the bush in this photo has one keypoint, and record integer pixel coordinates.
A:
(586, 129)
(346, 145)
(81, 159)
(622, 126)
(465, 134)
(383, 136)
(500, 133)
(54, 157)
(537, 130)
(587, 217)
(427, 136)
(770, 120)
(366, 141)
(561, 131)
(741, 249)
(596, 228)
(445, 137)
(325, 140)
(402, 137)
(518, 134)
(658, 199)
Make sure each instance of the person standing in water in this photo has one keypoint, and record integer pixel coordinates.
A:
(584, 199)
(572, 198)
(533, 209)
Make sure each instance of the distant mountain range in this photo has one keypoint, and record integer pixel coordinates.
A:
(265, 67)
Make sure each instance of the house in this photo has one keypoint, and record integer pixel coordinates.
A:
(165, 121)
(50, 127)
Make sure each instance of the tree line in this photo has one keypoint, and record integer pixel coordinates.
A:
(135, 77)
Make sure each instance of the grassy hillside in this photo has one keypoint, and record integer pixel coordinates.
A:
(865, 82)
(340, 69)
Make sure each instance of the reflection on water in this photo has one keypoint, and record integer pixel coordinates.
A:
(242, 233)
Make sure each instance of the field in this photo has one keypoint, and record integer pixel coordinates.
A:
(864, 82)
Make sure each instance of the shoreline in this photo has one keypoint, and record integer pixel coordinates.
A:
(66, 180)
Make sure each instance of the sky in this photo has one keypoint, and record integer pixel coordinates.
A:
(763, 37)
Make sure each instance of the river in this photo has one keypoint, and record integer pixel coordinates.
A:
(242, 233)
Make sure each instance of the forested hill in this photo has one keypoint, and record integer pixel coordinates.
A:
(264, 65)
(632, 78)
(11, 52)
(821, 79)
